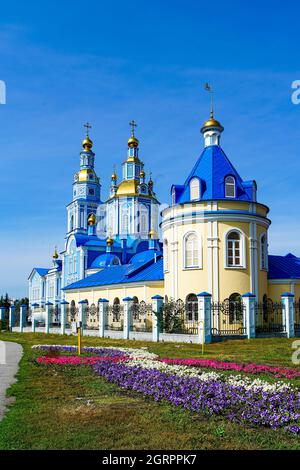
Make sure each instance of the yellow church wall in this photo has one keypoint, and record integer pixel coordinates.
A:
(262, 273)
(233, 280)
(275, 290)
(142, 292)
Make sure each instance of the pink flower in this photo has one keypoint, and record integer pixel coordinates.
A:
(76, 360)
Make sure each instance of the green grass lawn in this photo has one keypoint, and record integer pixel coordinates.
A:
(72, 408)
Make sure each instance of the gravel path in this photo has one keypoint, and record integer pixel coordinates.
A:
(10, 354)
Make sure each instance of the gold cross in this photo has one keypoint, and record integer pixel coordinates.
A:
(88, 126)
(133, 124)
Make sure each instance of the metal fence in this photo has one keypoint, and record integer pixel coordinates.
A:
(297, 318)
(178, 317)
(72, 315)
(115, 320)
(269, 318)
(91, 317)
(228, 318)
(141, 317)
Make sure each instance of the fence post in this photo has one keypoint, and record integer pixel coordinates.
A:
(204, 317)
(12, 317)
(2, 313)
(128, 301)
(157, 303)
(249, 300)
(288, 314)
(63, 316)
(48, 306)
(23, 313)
(103, 310)
(82, 313)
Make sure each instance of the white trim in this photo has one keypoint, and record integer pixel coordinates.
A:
(265, 268)
(181, 219)
(243, 264)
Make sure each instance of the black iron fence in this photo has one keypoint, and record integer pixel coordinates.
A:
(141, 317)
(115, 320)
(297, 318)
(72, 315)
(228, 318)
(178, 317)
(269, 318)
(91, 317)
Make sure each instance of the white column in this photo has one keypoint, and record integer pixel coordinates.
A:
(288, 313)
(48, 306)
(157, 303)
(128, 301)
(249, 300)
(103, 313)
(63, 316)
(12, 316)
(23, 312)
(204, 317)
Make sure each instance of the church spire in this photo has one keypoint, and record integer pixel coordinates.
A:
(211, 129)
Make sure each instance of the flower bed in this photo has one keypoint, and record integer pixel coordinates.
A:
(183, 382)
(99, 351)
(275, 409)
(279, 372)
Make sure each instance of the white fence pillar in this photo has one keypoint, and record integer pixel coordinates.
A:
(48, 306)
(82, 314)
(23, 313)
(128, 301)
(204, 317)
(157, 304)
(12, 316)
(63, 316)
(288, 313)
(249, 300)
(103, 316)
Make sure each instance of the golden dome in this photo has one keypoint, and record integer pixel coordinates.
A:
(92, 219)
(114, 176)
(128, 188)
(133, 142)
(142, 174)
(109, 241)
(152, 234)
(55, 254)
(212, 122)
(87, 144)
(85, 175)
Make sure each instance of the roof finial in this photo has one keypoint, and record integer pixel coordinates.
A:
(133, 124)
(88, 127)
(55, 254)
(209, 88)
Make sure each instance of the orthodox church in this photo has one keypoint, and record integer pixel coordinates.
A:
(214, 236)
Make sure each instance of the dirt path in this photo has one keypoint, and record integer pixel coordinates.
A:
(10, 355)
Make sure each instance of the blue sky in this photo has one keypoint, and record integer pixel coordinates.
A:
(66, 62)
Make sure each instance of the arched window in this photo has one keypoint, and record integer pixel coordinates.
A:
(229, 186)
(191, 251)
(194, 189)
(166, 255)
(124, 219)
(263, 252)
(191, 305)
(144, 219)
(234, 249)
(71, 223)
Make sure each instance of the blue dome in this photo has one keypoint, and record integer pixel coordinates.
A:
(104, 260)
(144, 256)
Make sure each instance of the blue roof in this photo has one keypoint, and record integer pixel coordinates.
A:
(284, 267)
(138, 272)
(144, 256)
(106, 259)
(42, 271)
(211, 168)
